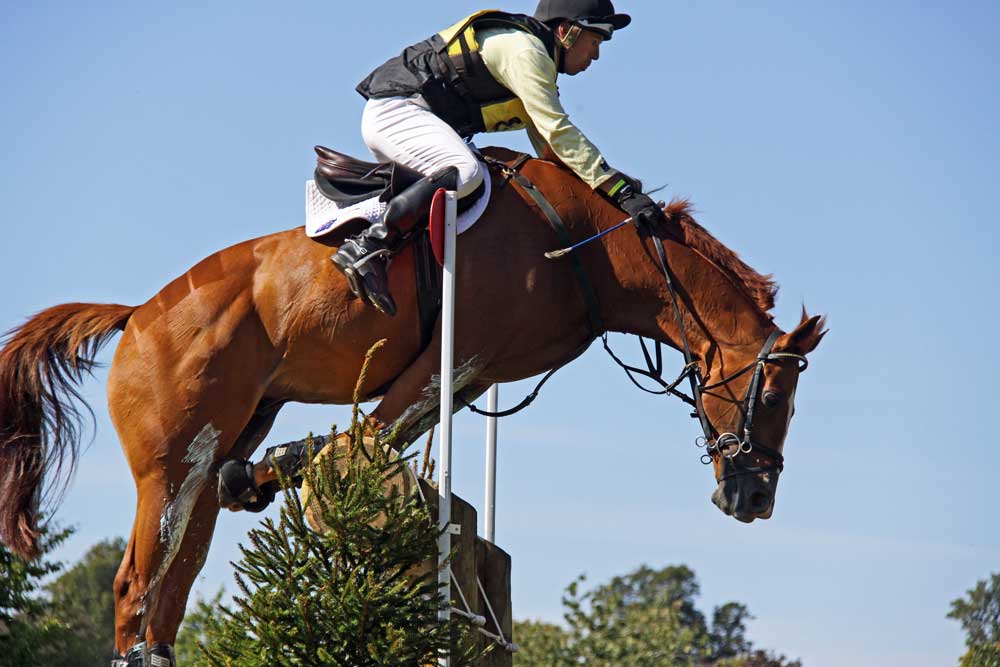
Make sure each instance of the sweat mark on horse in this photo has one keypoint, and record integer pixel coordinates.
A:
(204, 366)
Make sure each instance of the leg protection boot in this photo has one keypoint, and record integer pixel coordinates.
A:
(364, 258)
(157, 655)
(237, 489)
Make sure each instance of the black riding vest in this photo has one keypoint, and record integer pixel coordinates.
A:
(448, 70)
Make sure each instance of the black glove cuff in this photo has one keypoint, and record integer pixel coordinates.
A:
(618, 188)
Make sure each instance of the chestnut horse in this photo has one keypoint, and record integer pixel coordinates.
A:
(203, 367)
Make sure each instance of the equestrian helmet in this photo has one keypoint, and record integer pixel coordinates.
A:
(596, 15)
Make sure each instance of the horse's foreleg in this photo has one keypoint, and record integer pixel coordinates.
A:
(412, 402)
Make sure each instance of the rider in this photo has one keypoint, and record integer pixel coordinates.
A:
(490, 72)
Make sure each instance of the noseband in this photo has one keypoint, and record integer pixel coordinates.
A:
(730, 445)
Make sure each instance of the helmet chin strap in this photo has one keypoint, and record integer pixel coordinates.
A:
(565, 43)
(569, 39)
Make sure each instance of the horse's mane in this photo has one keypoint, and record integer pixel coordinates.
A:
(759, 288)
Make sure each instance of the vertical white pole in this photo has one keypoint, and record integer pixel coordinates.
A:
(447, 397)
(490, 518)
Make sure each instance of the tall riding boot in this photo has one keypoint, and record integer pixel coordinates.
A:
(363, 259)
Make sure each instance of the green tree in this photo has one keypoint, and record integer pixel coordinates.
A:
(201, 620)
(28, 634)
(82, 600)
(981, 655)
(979, 614)
(542, 644)
(644, 619)
(360, 592)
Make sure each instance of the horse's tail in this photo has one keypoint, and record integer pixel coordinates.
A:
(40, 366)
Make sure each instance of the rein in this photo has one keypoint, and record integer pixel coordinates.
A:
(729, 445)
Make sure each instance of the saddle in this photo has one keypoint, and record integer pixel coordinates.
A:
(348, 180)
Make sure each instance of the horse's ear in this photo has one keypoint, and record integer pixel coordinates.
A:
(806, 336)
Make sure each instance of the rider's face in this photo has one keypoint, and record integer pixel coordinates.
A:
(585, 50)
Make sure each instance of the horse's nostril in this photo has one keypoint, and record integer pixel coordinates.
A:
(759, 501)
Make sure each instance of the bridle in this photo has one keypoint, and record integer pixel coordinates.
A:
(726, 444)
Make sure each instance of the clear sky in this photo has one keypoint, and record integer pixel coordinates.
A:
(849, 148)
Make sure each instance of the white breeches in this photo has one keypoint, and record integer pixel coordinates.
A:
(405, 130)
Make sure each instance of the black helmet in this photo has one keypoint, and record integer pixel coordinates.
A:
(596, 15)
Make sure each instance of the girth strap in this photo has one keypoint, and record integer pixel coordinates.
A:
(512, 173)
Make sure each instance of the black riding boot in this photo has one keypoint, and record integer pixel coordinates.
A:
(363, 259)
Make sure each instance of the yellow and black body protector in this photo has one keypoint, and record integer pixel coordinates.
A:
(449, 72)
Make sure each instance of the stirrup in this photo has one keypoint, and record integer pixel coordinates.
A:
(384, 252)
(352, 258)
(368, 282)
(353, 279)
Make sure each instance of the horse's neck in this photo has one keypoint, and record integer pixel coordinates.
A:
(717, 316)
(631, 287)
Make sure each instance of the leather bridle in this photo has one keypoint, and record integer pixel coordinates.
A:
(728, 444)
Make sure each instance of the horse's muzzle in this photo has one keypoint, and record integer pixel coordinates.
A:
(747, 497)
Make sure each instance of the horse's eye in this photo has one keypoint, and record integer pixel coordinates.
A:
(771, 399)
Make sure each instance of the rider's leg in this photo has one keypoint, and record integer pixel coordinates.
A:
(405, 131)
(363, 258)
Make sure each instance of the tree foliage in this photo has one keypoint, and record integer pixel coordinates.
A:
(981, 655)
(363, 592)
(82, 599)
(29, 635)
(201, 621)
(647, 618)
(979, 614)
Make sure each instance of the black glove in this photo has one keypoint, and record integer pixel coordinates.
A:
(642, 209)
(627, 194)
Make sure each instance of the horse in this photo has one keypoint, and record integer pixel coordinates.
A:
(202, 368)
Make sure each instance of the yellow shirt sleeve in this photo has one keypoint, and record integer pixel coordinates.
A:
(520, 63)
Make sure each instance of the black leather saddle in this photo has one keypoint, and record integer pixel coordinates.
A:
(348, 180)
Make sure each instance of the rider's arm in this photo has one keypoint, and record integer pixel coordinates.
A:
(520, 63)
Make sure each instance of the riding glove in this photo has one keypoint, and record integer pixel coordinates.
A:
(642, 209)
(627, 194)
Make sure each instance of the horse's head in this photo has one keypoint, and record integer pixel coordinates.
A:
(750, 412)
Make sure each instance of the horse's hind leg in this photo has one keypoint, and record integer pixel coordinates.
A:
(178, 417)
(153, 610)
(161, 563)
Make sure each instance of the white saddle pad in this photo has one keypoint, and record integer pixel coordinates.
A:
(324, 216)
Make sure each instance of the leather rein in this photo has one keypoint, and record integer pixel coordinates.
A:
(726, 444)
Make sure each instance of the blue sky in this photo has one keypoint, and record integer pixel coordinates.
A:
(850, 148)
